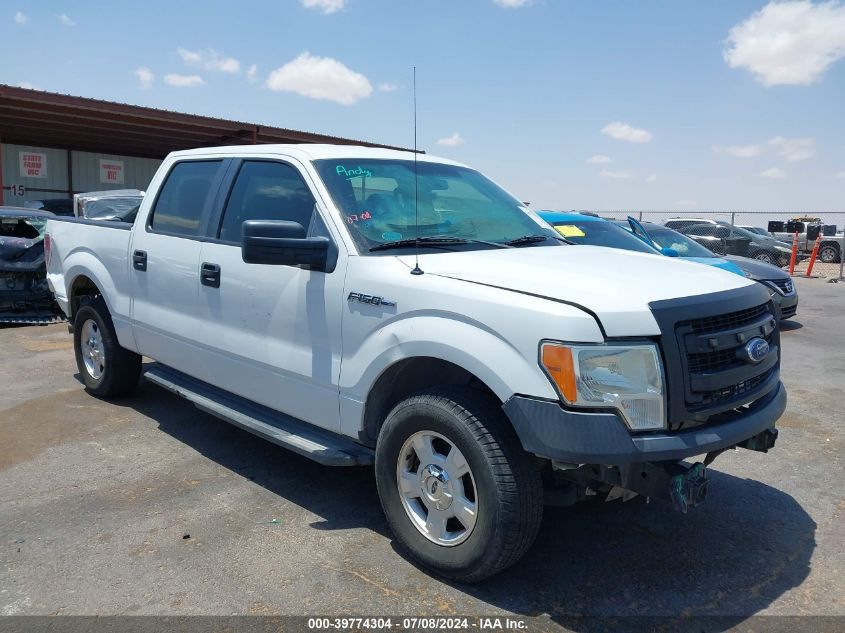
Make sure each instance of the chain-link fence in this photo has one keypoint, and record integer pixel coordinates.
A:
(761, 235)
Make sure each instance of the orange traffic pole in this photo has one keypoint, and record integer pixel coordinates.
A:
(794, 254)
(813, 255)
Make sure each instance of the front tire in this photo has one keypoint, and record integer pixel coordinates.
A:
(107, 369)
(458, 491)
(765, 257)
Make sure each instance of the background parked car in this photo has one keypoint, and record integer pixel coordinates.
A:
(118, 205)
(24, 295)
(777, 281)
(759, 230)
(56, 206)
(732, 240)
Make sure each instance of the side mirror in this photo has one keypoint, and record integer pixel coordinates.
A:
(282, 243)
(669, 252)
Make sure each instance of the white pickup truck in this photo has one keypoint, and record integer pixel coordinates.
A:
(360, 306)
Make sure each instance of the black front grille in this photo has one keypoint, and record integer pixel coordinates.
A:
(728, 321)
(732, 392)
(709, 373)
(788, 313)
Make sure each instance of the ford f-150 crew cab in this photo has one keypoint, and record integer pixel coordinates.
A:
(360, 305)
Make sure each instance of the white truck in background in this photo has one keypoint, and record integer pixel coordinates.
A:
(361, 306)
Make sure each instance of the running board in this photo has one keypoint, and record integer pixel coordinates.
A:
(324, 447)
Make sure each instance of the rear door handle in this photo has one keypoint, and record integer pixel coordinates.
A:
(139, 260)
(210, 275)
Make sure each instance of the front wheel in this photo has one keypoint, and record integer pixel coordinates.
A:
(763, 256)
(106, 368)
(458, 491)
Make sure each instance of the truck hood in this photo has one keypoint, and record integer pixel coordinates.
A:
(614, 285)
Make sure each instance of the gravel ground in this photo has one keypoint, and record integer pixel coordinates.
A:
(148, 506)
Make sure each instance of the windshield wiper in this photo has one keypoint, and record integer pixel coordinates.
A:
(535, 239)
(435, 240)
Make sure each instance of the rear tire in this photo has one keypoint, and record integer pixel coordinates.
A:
(107, 369)
(492, 481)
(829, 255)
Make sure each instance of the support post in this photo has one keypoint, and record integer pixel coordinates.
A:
(69, 176)
(1, 172)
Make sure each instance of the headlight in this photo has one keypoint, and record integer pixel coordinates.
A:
(628, 378)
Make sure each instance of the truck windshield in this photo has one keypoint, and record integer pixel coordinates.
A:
(378, 199)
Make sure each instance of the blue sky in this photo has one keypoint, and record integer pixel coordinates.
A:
(695, 115)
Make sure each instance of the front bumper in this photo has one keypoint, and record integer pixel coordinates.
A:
(548, 430)
(787, 304)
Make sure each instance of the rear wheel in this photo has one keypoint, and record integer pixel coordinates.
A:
(458, 491)
(829, 254)
(106, 368)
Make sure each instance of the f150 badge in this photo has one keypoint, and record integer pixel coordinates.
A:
(370, 299)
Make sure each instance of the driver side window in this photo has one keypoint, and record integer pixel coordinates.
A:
(266, 190)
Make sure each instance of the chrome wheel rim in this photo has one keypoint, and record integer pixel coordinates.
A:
(827, 255)
(764, 257)
(93, 351)
(437, 488)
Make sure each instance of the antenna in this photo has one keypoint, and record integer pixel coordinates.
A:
(417, 270)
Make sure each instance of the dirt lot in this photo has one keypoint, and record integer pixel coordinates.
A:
(148, 506)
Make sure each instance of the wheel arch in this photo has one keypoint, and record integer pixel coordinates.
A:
(408, 376)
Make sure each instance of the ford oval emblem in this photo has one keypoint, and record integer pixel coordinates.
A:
(756, 349)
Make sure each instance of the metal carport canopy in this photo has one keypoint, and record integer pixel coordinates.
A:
(35, 117)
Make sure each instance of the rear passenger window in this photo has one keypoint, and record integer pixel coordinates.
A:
(183, 197)
(266, 190)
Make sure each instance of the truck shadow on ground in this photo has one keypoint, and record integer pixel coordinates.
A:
(733, 556)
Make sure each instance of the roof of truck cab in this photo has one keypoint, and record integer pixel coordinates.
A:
(317, 151)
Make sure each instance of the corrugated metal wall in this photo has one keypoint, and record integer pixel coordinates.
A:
(87, 175)
(137, 172)
(54, 170)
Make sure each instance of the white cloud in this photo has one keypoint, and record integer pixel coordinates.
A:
(651, 178)
(29, 86)
(183, 81)
(773, 172)
(788, 43)
(320, 78)
(839, 175)
(739, 151)
(599, 159)
(65, 19)
(451, 141)
(387, 87)
(624, 132)
(20, 18)
(794, 149)
(512, 4)
(326, 6)
(145, 77)
(606, 173)
(209, 59)
(252, 74)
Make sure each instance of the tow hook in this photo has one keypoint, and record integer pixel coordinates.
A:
(688, 489)
(761, 442)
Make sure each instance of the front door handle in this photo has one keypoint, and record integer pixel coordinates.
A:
(139, 260)
(210, 275)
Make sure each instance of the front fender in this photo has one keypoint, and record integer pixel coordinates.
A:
(449, 337)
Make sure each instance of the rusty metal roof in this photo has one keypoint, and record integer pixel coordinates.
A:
(35, 117)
